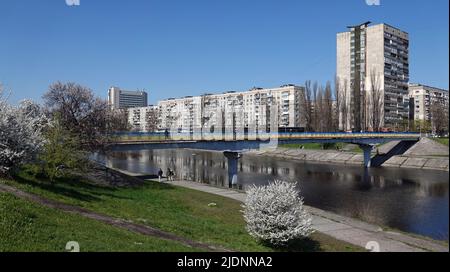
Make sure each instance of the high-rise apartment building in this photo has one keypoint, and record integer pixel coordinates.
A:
(422, 99)
(145, 119)
(373, 71)
(120, 99)
(233, 110)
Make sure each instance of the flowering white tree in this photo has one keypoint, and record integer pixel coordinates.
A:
(275, 213)
(20, 133)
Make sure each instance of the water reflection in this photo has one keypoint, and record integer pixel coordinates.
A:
(408, 199)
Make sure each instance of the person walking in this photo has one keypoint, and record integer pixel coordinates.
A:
(172, 175)
(160, 174)
(169, 174)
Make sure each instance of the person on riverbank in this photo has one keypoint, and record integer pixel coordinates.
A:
(172, 175)
(169, 174)
(160, 174)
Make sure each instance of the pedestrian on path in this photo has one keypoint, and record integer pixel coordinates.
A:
(169, 174)
(172, 175)
(160, 174)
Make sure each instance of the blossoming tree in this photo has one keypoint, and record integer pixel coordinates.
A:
(275, 213)
(20, 133)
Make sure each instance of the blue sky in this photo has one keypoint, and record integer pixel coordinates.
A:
(188, 47)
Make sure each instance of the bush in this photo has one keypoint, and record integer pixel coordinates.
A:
(20, 134)
(332, 146)
(275, 214)
(61, 154)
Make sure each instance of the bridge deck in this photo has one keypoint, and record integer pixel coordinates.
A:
(246, 142)
(312, 137)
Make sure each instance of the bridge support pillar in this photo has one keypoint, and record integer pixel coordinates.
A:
(233, 158)
(367, 149)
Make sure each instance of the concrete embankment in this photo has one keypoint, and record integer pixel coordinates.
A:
(426, 154)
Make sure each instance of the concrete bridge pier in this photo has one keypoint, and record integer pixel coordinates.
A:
(233, 159)
(367, 149)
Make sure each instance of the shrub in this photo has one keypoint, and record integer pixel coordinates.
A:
(275, 214)
(20, 134)
(61, 153)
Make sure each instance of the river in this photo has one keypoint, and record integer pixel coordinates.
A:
(410, 200)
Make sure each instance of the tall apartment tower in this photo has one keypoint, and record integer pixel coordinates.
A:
(120, 99)
(373, 70)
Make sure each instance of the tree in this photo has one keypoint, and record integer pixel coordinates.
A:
(364, 111)
(315, 110)
(60, 154)
(275, 214)
(342, 106)
(346, 106)
(87, 117)
(305, 106)
(21, 136)
(422, 126)
(319, 109)
(328, 108)
(375, 101)
(439, 116)
(117, 119)
(337, 107)
(152, 120)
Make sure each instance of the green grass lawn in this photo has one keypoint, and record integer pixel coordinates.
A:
(173, 209)
(312, 146)
(443, 141)
(315, 146)
(25, 226)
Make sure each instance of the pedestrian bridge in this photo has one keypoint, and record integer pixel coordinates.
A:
(136, 141)
(137, 137)
(233, 144)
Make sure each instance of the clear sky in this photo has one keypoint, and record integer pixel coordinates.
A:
(188, 47)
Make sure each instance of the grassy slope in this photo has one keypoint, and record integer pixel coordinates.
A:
(178, 210)
(316, 146)
(26, 226)
(443, 141)
(312, 146)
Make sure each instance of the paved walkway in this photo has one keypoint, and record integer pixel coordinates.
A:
(342, 228)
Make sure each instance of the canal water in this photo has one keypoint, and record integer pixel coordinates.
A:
(410, 200)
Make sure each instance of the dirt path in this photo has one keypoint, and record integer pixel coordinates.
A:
(137, 228)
